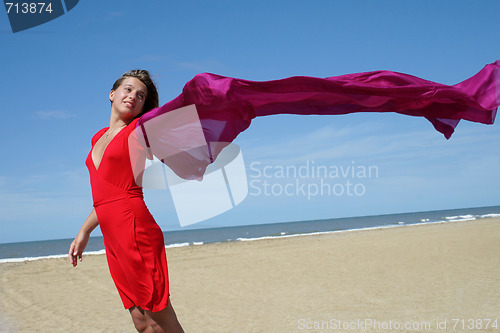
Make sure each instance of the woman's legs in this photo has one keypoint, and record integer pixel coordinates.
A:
(164, 321)
(142, 322)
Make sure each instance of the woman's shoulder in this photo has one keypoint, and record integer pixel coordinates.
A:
(98, 135)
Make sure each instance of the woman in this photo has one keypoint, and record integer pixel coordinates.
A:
(225, 107)
(134, 243)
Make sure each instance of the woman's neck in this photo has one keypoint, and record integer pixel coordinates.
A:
(115, 122)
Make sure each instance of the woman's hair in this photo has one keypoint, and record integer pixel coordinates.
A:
(142, 75)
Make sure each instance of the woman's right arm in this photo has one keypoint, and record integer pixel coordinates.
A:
(80, 242)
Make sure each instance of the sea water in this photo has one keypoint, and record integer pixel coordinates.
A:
(25, 251)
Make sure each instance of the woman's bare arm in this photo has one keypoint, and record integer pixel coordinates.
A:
(80, 242)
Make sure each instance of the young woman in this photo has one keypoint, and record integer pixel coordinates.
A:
(134, 243)
(225, 106)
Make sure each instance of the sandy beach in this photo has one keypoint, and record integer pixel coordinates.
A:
(426, 278)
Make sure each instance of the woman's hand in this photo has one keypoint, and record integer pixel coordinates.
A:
(80, 242)
(77, 246)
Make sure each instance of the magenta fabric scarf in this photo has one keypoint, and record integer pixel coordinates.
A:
(226, 106)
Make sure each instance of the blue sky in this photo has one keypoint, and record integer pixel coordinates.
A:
(56, 80)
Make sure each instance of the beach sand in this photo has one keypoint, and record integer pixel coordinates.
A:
(426, 277)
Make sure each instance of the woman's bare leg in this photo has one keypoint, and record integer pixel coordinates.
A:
(143, 323)
(166, 319)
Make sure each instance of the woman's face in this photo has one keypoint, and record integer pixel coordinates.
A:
(128, 99)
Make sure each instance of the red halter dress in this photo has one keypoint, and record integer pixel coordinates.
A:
(134, 243)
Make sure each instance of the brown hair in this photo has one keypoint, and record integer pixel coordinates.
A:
(142, 75)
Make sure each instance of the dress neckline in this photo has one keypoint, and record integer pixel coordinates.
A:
(96, 167)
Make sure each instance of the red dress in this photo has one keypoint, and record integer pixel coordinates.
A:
(134, 243)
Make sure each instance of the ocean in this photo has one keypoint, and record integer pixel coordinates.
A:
(26, 251)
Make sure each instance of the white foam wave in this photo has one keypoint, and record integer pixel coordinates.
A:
(170, 246)
(177, 245)
(489, 215)
(460, 218)
(56, 256)
(319, 233)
